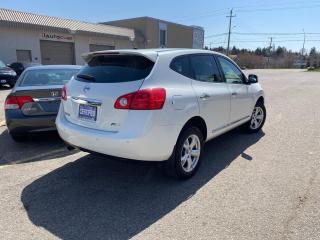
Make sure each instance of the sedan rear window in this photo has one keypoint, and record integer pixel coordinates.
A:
(115, 69)
(2, 65)
(44, 77)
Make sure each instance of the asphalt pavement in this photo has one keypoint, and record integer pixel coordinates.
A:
(260, 186)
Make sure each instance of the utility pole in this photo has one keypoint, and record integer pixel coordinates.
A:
(230, 22)
(304, 41)
(302, 51)
(270, 46)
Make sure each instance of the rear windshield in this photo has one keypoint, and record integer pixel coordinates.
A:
(44, 77)
(2, 64)
(115, 69)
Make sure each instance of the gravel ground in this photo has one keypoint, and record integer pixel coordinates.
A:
(263, 186)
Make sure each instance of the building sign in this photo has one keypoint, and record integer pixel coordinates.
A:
(57, 37)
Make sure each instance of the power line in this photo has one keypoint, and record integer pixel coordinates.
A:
(216, 35)
(280, 8)
(278, 41)
(251, 8)
(280, 4)
(273, 34)
(283, 33)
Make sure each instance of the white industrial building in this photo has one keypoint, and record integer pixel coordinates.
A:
(27, 37)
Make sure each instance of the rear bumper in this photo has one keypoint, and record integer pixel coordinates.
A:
(156, 144)
(18, 123)
(7, 79)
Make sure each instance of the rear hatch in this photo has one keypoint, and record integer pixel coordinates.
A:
(92, 93)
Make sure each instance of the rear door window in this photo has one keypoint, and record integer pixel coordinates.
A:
(115, 69)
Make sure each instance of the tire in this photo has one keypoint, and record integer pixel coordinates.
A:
(11, 85)
(255, 124)
(19, 138)
(184, 170)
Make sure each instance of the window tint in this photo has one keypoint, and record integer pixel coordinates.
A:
(115, 68)
(205, 68)
(181, 65)
(46, 77)
(231, 72)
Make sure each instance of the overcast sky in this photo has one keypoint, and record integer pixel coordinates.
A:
(272, 16)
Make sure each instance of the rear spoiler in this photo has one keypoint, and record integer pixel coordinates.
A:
(151, 55)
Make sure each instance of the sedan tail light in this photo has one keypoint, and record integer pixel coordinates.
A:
(144, 99)
(16, 102)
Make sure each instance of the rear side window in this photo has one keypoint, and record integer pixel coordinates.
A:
(205, 68)
(115, 69)
(45, 77)
(181, 65)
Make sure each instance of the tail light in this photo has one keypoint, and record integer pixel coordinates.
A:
(16, 102)
(64, 93)
(144, 99)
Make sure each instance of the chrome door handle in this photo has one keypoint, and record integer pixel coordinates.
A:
(234, 94)
(205, 96)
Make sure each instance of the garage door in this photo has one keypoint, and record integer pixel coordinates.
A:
(95, 47)
(57, 52)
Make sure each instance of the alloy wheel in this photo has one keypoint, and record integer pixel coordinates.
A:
(257, 118)
(190, 153)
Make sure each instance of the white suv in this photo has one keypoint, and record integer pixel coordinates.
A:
(157, 105)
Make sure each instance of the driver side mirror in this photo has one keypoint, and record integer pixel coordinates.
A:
(252, 78)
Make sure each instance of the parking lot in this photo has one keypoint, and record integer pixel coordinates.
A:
(262, 186)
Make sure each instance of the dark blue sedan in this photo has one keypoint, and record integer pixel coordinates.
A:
(33, 104)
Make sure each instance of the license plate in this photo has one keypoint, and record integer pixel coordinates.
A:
(88, 112)
(3, 81)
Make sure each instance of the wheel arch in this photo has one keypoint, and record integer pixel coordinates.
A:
(199, 122)
(260, 99)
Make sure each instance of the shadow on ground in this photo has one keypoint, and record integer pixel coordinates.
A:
(38, 147)
(99, 198)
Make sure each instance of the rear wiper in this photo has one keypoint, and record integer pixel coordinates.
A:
(86, 77)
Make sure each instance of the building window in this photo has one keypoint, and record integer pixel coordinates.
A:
(163, 34)
(99, 47)
(24, 56)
